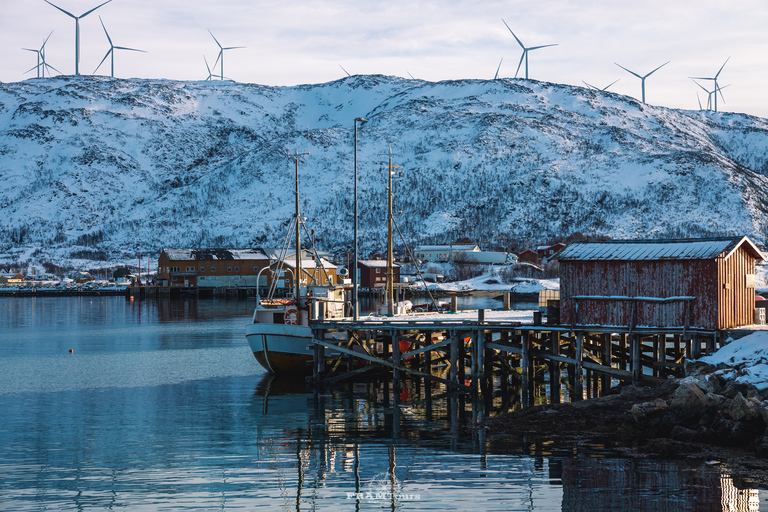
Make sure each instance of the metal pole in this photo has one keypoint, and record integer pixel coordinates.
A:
(356, 304)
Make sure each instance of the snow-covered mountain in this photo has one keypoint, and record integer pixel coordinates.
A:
(93, 167)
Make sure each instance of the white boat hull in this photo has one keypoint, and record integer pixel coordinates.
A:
(281, 348)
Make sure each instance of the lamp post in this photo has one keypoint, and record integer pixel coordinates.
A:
(355, 305)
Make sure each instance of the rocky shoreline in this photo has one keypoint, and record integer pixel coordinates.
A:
(707, 416)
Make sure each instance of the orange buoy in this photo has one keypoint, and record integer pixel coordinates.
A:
(71, 351)
(131, 297)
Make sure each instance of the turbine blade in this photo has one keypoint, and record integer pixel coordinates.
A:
(700, 78)
(542, 46)
(513, 35)
(705, 90)
(628, 71)
(102, 60)
(206, 65)
(410, 75)
(234, 47)
(53, 68)
(699, 100)
(607, 86)
(131, 49)
(214, 38)
(105, 31)
(658, 68)
(62, 10)
(721, 67)
(30, 50)
(498, 68)
(520, 63)
(33, 67)
(589, 85)
(46, 39)
(89, 12)
(342, 68)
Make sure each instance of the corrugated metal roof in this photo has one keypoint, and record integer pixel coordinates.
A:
(376, 263)
(650, 250)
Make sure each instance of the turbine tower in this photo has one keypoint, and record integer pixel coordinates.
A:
(221, 52)
(597, 88)
(525, 51)
(642, 78)
(41, 64)
(112, 49)
(714, 79)
(77, 30)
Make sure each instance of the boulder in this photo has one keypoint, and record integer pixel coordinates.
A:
(697, 368)
(649, 413)
(689, 402)
(744, 409)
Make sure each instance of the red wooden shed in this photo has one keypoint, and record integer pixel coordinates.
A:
(704, 283)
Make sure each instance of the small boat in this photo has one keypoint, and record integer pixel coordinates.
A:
(280, 337)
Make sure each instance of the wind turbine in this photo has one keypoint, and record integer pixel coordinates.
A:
(41, 64)
(112, 49)
(77, 30)
(221, 52)
(714, 79)
(497, 69)
(642, 78)
(525, 51)
(710, 93)
(210, 74)
(597, 88)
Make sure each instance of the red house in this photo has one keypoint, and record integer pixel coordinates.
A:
(373, 273)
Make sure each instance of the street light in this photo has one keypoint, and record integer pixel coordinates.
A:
(355, 305)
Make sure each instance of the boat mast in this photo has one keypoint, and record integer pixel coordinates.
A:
(297, 277)
(390, 257)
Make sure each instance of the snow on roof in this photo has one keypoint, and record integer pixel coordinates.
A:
(376, 263)
(447, 248)
(648, 250)
(215, 254)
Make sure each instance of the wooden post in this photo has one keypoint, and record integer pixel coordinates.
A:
(318, 359)
(453, 373)
(637, 368)
(696, 342)
(578, 385)
(428, 353)
(554, 368)
(395, 343)
(525, 366)
(607, 360)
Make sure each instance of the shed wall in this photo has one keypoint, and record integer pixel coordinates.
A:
(736, 301)
(657, 278)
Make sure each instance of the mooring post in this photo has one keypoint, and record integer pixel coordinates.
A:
(637, 352)
(578, 383)
(696, 341)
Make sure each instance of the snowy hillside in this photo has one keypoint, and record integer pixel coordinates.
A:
(94, 167)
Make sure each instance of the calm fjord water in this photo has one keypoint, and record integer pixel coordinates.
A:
(161, 406)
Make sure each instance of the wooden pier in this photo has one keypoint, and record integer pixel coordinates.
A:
(479, 355)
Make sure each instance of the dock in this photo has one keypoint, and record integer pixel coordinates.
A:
(486, 350)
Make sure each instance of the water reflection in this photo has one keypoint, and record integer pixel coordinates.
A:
(412, 447)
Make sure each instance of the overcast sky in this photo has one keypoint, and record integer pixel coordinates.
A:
(293, 42)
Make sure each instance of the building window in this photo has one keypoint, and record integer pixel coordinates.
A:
(237, 269)
(202, 269)
(175, 269)
(378, 270)
(255, 269)
(190, 269)
(229, 269)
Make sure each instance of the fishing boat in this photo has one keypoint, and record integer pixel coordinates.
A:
(279, 335)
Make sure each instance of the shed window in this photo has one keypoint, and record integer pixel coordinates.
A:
(237, 269)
